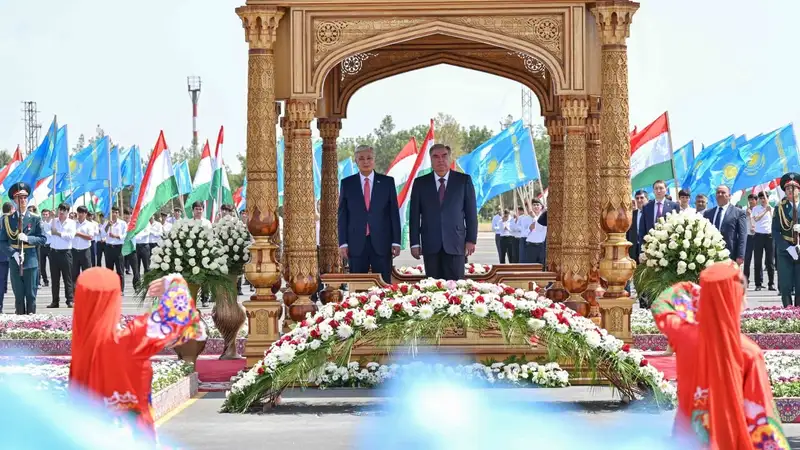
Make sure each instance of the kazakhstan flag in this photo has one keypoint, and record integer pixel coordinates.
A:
(767, 157)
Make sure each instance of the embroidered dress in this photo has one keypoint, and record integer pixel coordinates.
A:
(724, 394)
(112, 364)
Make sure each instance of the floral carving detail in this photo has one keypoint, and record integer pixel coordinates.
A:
(353, 64)
(547, 29)
(532, 64)
(329, 33)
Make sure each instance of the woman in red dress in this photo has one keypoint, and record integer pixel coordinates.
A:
(724, 393)
(111, 364)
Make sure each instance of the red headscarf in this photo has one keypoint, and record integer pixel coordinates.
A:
(95, 323)
(720, 361)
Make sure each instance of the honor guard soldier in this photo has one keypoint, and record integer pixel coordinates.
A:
(20, 234)
(785, 233)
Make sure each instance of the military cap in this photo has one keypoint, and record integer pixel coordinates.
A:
(790, 179)
(19, 188)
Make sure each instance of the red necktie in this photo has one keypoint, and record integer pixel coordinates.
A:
(441, 190)
(366, 198)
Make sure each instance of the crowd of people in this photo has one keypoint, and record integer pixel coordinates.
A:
(521, 236)
(57, 246)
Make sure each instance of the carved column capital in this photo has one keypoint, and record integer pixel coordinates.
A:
(575, 110)
(329, 127)
(260, 23)
(593, 129)
(614, 19)
(556, 128)
(300, 112)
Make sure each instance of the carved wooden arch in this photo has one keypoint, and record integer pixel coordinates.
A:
(339, 99)
(470, 34)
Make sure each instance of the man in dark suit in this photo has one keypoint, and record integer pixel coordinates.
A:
(656, 209)
(443, 220)
(731, 222)
(369, 219)
(19, 244)
(640, 200)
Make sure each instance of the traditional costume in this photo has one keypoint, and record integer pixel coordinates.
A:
(784, 220)
(112, 364)
(724, 394)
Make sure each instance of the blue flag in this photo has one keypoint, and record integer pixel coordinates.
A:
(502, 163)
(767, 157)
(40, 163)
(703, 161)
(183, 178)
(346, 168)
(684, 161)
(131, 168)
(318, 170)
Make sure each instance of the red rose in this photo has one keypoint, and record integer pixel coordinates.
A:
(397, 307)
(626, 348)
(643, 363)
(261, 370)
(393, 287)
(508, 305)
(334, 324)
(537, 313)
(509, 290)
(413, 303)
(370, 312)
(315, 333)
(304, 324)
(416, 286)
(294, 342)
(440, 285)
(479, 299)
(320, 319)
(349, 315)
(378, 303)
(471, 269)
(363, 299)
(447, 295)
(404, 289)
(424, 299)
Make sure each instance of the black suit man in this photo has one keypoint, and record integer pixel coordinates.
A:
(656, 209)
(369, 218)
(443, 220)
(640, 199)
(731, 222)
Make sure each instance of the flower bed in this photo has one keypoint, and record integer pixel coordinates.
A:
(408, 313)
(772, 328)
(496, 374)
(469, 269)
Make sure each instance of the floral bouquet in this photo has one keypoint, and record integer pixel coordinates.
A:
(469, 269)
(677, 249)
(192, 250)
(235, 242)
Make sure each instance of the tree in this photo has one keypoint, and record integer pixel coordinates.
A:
(5, 157)
(448, 131)
(474, 137)
(80, 145)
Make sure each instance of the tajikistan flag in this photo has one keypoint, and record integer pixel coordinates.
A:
(220, 188)
(651, 154)
(9, 168)
(417, 165)
(203, 180)
(157, 189)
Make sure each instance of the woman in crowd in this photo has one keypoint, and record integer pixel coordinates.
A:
(724, 394)
(111, 364)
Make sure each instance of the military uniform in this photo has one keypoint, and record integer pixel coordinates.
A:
(782, 235)
(12, 244)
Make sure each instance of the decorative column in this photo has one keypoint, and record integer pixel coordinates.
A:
(556, 127)
(330, 262)
(616, 267)
(263, 309)
(299, 219)
(575, 255)
(593, 213)
(286, 128)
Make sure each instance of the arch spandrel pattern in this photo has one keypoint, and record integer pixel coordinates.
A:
(360, 70)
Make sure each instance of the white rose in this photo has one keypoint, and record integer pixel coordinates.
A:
(164, 266)
(700, 259)
(686, 243)
(196, 270)
(683, 255)
(724, 253)
(192, 262)
(692, 266)
(188, 242)
(536, 324)
(673, 245)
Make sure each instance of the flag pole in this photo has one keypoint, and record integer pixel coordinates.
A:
(672, 156)
(110, 193)
(53, 143)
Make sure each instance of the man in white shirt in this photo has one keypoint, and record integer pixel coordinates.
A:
(85, 232)
(521, 230)
(62, 231)
(535, 243)
(506, 239)
(142, 241)
(157, 230)
(44, 250)
(100, 240)
(497, 227)
(752, 201)
(762, 241)
(520, 233)
(197, 214)
(115, 231)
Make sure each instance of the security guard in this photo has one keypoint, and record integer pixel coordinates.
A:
(785, 228)
(19, 237)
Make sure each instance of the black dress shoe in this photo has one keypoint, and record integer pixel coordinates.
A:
(69, 304)
(758, 288)
(53, 305)
(771, 288)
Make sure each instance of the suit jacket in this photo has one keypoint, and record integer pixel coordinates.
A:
(633, 237)
(733, 229)
(649, 212)
(448, 226)
(383, 216)
(32, 227)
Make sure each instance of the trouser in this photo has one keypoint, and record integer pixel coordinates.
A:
(44, 253)
(132, 262)
(444, 266)
(99, 253)
(3, 282)
(505, 248)
(81, 260)
(763, 252)
(113, 254)
(143, 256)
(521, 250)
(535, 253)
(24, 287)
(61, 270)
(514, 251)
(497, 240)
(748, 256)
(788, 278)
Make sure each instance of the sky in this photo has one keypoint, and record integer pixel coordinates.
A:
(718, 66)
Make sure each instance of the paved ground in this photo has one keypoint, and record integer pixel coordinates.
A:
(485, 254)
(346, 419)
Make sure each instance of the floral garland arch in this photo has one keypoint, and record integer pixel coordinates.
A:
(408, 313)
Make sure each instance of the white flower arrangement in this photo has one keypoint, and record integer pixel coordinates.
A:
(469, 269)
(178, 249)
(677, 249)
(436, 300)
(235, 241)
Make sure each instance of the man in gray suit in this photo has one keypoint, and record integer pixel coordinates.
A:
(443, 218)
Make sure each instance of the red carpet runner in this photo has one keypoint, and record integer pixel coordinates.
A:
(212, 370)
(665, 364)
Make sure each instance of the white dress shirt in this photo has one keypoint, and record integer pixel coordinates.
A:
(88, 228)
(721, 210)
(118, 228)
(446, 179)
(156, 230)
(46, 231)
(539, 233)
(101, 232)
(764, 225)
(96, 237)
(167, 227)
(66, 231)
(143, 237)
(497, 223)
(505, 227)
(522, 226)
(688, 208)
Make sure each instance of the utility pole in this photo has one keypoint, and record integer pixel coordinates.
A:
(194, 84)
(32, 126)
